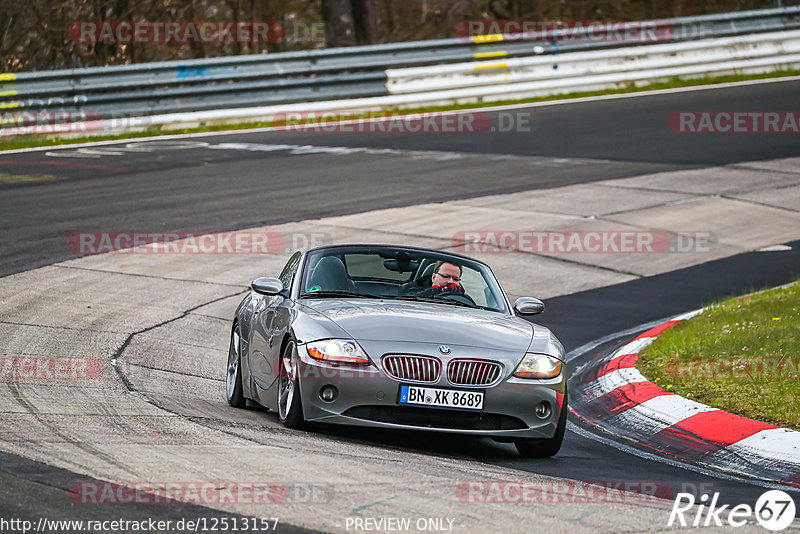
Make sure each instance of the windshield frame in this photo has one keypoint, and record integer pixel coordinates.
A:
(302, 274)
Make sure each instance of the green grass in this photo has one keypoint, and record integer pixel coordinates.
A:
(27, 141)
(739, 355)
(28, 178)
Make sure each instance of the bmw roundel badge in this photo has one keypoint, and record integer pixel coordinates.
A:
(444, 349)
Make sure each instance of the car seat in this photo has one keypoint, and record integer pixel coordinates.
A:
(424, 280)
(330, 275)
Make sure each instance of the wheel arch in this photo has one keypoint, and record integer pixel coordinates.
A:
(287, 337)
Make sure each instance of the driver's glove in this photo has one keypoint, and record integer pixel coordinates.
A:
(451, 288)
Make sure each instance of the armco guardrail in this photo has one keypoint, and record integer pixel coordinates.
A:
(748, 53)
(416, 72)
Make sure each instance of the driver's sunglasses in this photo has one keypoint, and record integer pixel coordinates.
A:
(455, 279)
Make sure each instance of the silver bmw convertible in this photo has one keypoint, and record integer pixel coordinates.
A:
(398, 337)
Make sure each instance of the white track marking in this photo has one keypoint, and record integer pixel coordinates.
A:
(130, 147)
(658, 413)
(622, 447)
(70, 154)
(101, 151)
(437, 155)
(611, 381)
(634, 346)
(777, 444)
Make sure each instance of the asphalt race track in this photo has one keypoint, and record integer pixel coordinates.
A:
(255, 179)
(200, 189)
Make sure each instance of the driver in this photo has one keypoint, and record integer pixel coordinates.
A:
(445, 279)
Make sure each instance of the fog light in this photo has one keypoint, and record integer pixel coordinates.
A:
(543, 410)
(328, 393)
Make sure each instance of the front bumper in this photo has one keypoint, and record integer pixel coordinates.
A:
(368, 397)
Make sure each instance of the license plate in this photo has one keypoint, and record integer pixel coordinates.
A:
(444, 398)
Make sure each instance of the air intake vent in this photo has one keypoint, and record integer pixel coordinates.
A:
(462, 372)
(424, 369)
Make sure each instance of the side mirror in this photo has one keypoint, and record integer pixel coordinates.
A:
(267, 286)
(528, 306)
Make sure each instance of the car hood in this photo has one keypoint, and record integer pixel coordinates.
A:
(425, 322)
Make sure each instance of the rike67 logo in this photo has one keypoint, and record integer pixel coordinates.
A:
(774, 510)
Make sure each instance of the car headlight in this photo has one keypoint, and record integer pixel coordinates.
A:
(337, 351)
(538, 366)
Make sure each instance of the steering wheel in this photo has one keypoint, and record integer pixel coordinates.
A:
(463, 297)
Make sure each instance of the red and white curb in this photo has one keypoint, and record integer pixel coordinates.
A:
(614, 396)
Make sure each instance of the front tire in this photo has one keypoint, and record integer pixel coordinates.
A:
(545, 447)
(290, 406)
(233, 380)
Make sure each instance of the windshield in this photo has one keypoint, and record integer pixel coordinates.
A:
(402, 274)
